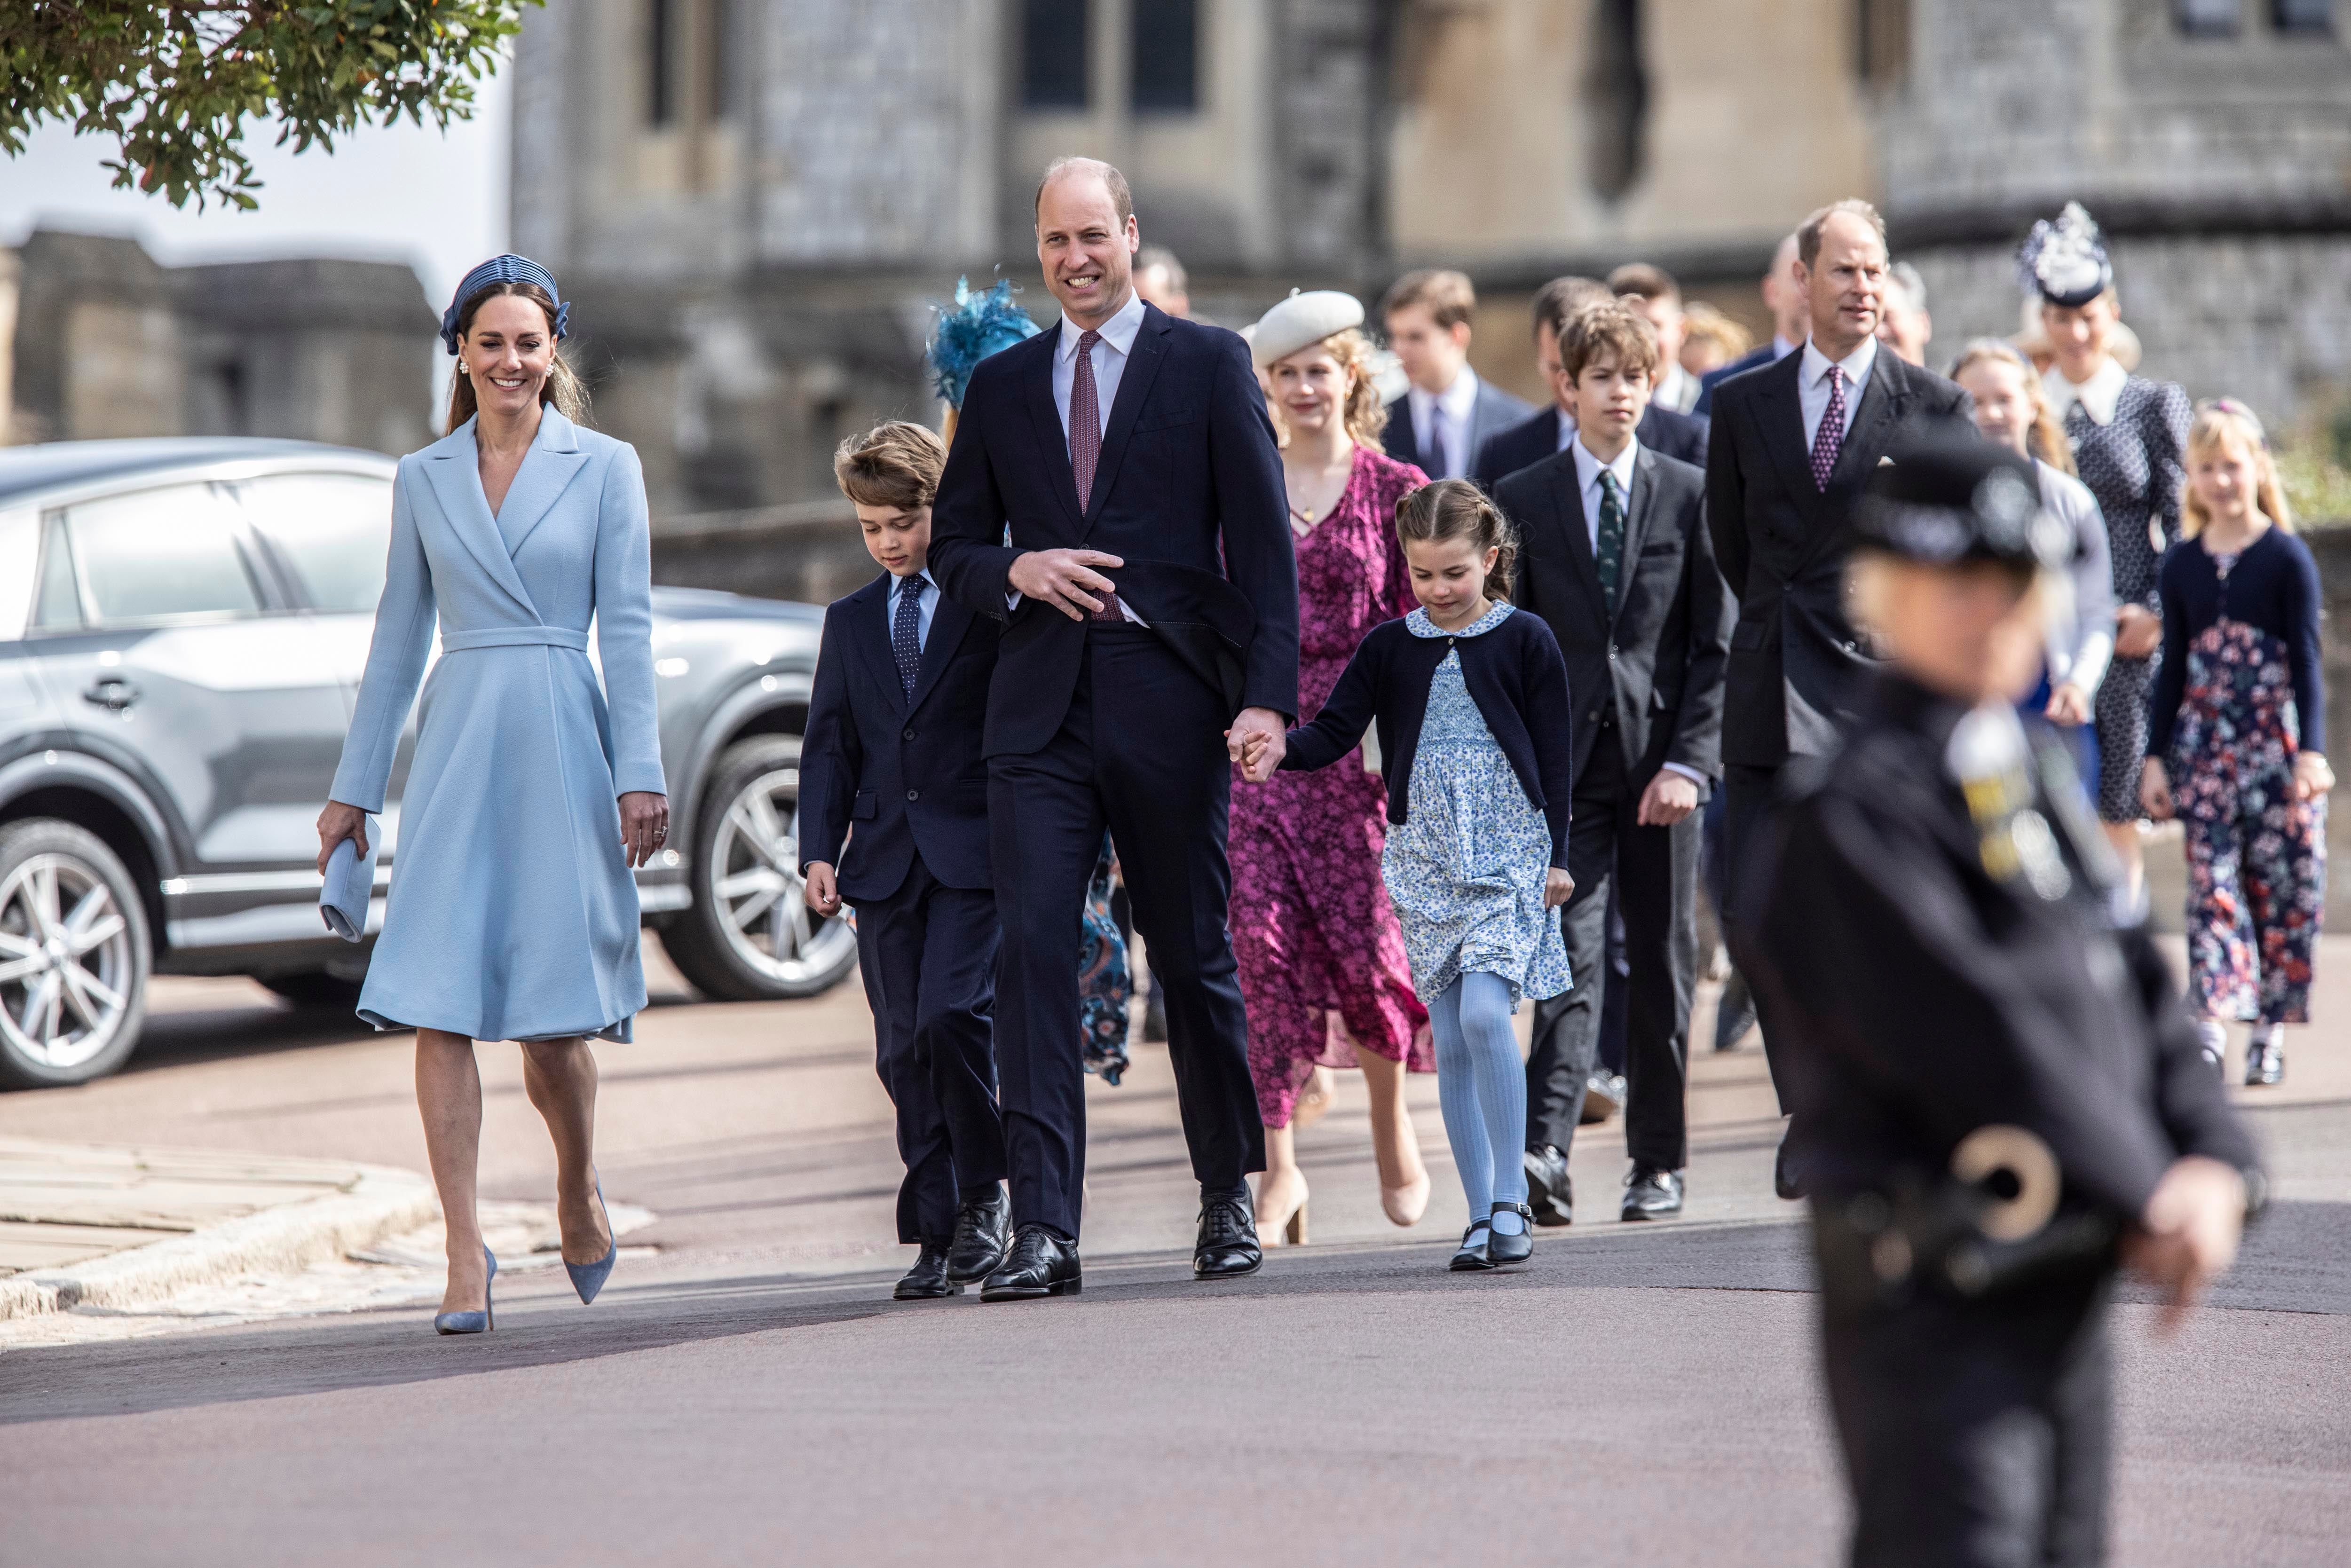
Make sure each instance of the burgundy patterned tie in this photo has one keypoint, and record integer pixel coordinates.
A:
(1830, 439)
(1085, 421)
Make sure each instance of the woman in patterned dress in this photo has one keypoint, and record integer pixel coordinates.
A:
(1322, 960)
(2240, 741)
(2128, 433)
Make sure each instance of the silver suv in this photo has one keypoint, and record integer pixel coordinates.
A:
(182, 626)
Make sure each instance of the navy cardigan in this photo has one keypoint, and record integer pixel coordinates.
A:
(2273, 586)
(1515, 674)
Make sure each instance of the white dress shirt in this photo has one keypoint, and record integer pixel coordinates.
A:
(2099, 396)
(1588, 469)
(1813, 385)
(1445, 417)
(1109, 356)
(1677, 389)
(926, 605)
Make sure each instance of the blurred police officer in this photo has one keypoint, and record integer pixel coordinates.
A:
(2000, 1098)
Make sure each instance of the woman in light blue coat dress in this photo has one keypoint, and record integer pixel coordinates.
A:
(534, 788)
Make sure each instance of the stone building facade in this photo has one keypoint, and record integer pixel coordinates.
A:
(107, 342)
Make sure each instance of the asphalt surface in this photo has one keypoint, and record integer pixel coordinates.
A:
(749, 1393)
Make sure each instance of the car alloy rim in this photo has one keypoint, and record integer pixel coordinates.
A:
(65, 962)
(754, 884)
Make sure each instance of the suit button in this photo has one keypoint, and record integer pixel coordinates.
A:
(908, 734)
(1612, 650)
(913, 794)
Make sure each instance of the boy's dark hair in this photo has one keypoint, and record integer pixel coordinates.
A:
(1644, 280)
(895, 463)
(1563, 296)
(1599, 330)
(1457, 509)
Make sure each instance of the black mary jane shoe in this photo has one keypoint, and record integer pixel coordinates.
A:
(983, 1234)
(1500, 1248)
(1040, 1264)
(1549, 1192)
(1227, 1246)
(927, 1280)
(1651, 1192)
(1472, 1256)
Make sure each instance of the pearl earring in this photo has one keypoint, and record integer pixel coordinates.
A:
(462, 369)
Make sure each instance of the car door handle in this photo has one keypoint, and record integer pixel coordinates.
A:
(112, 693)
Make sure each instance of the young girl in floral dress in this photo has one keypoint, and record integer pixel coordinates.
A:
(2238, 742)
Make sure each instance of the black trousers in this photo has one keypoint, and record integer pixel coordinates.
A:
(1749, 794)
(928, 956)
(1975, 1434)
(1141, 751)
(1652, 873)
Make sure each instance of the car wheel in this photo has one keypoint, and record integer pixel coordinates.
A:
(315, 989)
(749, 936)
(73, 957)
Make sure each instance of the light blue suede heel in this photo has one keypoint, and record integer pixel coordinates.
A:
(472, 1322)
(589, 1278)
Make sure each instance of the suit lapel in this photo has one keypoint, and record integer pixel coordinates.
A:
(1045, 418)
(870, 635)
(547, 469)
(456, 476)
(1144, 355)
(1780, 411)
(1873, 421)
(949, 621)
(1568, 504)
(1639, 508)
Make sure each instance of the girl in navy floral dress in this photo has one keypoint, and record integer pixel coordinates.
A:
(2237, 748)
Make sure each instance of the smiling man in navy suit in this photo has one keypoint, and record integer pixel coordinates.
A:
(891, 762)
(1149, 593)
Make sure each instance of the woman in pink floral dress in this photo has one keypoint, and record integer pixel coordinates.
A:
(1323, 964)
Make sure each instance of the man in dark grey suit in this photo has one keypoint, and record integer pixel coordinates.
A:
(1440, 424)
(1793, 445)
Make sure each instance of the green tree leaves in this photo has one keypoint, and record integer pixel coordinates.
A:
(172, 82)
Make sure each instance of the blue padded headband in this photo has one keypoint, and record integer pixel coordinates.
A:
(508, 268)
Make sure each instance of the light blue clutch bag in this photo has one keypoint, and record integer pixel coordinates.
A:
(349, 885)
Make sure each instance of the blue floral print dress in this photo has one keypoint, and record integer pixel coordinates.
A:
(1466, 871)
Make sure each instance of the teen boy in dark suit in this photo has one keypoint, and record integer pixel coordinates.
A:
(1616, 559)
(892, 761)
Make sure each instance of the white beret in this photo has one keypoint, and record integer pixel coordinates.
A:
(1302, 320)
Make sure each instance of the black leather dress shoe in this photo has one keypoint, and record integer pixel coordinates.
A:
(1734, 1015)
(1603, 1096)
(927, 1280)
(1783, 1180)
(1503, 1249)
(1227, 1246)
(1549, 1192)
(982, 1232)
(1652, 1192)
(1040, 1264)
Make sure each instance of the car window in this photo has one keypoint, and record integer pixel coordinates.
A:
(169, 551)
(334, 529)
(59, 607)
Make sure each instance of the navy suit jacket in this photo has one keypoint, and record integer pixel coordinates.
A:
(1494, 410)
(905, 774)
(1655, 656)
(1188, 493)
(1782, 543)
(1753, 359)
(1677, 436)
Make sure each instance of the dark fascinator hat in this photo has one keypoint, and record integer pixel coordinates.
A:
(2065, 261)
(1948, 503)
(508, 268)
(979, 325)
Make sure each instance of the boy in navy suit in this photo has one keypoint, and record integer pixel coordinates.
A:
(892, 761)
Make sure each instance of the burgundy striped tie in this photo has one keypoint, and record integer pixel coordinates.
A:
(1085, 421)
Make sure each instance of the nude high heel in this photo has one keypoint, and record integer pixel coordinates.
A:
(1404, 1205)
(1290, 1224)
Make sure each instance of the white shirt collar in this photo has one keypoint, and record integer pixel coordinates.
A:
(1588, 468)
(2099, 396)
(1118, 333)
(1855, 365)
(1456, 400)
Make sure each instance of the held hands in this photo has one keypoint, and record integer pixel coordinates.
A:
(2312, 777)
(339, 822)
(2155, 789)
(1558, 888)
(2138, 630)
(644, 824)
(1063, 578)
(2187, 1235)
(2068, 705)
(1669, 797)
(1257, 741)
(823, 892)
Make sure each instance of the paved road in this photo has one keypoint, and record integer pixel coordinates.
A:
(1637, 1393)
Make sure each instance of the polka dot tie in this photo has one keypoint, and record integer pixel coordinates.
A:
(1611, 550)
(906, 631)
(1830, 440)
